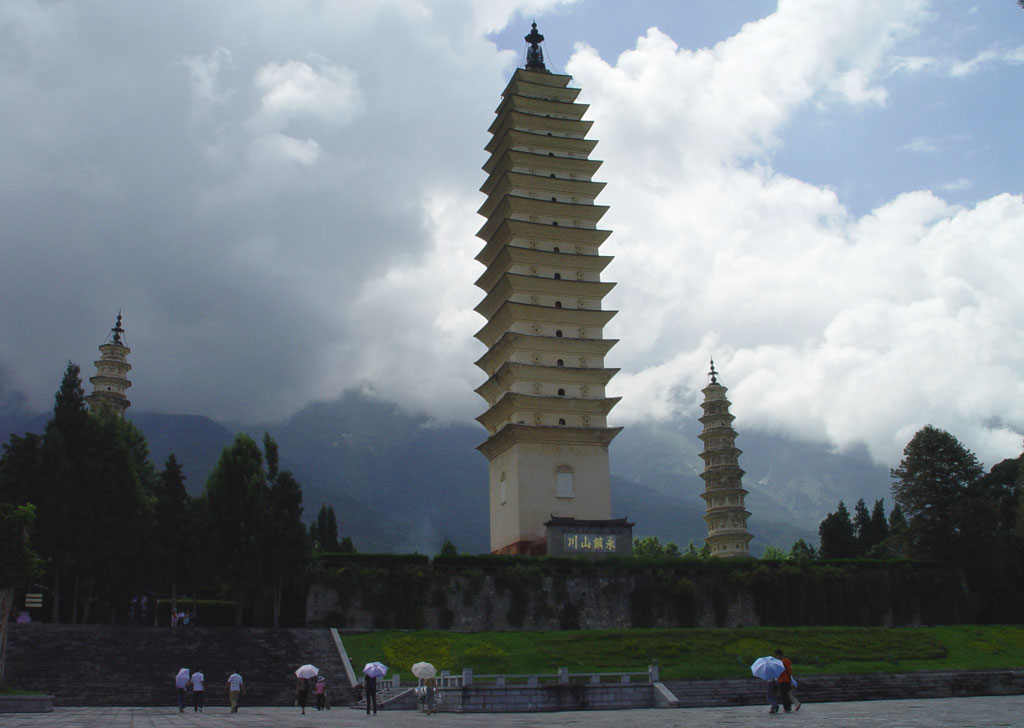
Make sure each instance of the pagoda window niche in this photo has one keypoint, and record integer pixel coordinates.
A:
(563, 482)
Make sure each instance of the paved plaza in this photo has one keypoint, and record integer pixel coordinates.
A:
(936, 713)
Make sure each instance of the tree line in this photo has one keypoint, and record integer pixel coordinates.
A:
(947, 509)
(107, 525)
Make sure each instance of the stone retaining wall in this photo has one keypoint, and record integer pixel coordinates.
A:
(543, 698)
(845, 688)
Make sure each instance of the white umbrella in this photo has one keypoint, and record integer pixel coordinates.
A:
(424, 670)
(307, 671)
(767, 668)
(375, 669)
(183, 672)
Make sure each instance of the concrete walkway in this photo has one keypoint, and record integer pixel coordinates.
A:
(937, 713)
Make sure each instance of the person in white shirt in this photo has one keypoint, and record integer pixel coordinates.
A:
(197, 691)
(235, 689)
(180, 684)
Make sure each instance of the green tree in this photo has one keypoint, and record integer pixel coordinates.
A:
(931, 487)
(448, 548)
(693, 552)
(773, 553)
(879, 527)
(802, 551)
(18, 564)
(288, 548)
(651, 546)
(114, 479)
(836, 535)
(173, 542)
(236, 495)
(325, 530)
(346, 546)
(862, 527)
(59, 497)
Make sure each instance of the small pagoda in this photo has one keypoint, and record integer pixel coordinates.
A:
(723, 490)
(546, 419)
(111, 380)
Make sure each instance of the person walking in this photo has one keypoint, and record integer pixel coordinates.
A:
(431, 685)
(771, 688)
(180, 684)
(786, 683)
(321, 692)
(236, 688)
(197, 691)
(302, 693)
(371, 693)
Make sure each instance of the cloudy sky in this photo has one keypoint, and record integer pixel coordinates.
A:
(825, 195)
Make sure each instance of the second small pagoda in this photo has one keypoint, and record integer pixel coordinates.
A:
(723, 489)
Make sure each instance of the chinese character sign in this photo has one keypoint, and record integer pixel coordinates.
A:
(587, 542)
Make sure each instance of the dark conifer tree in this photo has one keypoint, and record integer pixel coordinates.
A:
(836, 535)
(879, 527)
(862, 527)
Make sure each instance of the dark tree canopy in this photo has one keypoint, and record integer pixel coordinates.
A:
(931, 485)
(324, 530)
(836, 535)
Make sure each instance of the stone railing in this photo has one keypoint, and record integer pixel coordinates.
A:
(563, 677)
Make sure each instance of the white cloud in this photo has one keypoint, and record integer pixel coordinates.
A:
(957, 68)
(295, 89)
(825, 326)
(920, 144)
(275, 149)
(284, 211)
(961, 183)
(992, 56)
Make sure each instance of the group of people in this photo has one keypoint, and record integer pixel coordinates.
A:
(319, 686)
(780, 689)
(195, 682)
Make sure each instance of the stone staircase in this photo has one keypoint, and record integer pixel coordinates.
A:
(135, 665)
(842, 688)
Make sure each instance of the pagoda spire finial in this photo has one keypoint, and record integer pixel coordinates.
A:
(534, 54)
(117, 330)
(713, 374)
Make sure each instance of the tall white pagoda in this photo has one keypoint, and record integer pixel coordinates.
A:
(111, 380)
(723, 490)
(547, 412)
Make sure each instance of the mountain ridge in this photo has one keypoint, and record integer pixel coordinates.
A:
(403, 482)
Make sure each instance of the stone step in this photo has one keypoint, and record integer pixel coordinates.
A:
(135, 665)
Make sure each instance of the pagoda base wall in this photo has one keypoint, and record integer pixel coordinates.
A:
(524, 491)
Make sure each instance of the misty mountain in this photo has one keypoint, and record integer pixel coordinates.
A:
(403, 482)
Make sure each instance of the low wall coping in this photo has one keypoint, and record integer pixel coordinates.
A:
(26, 703)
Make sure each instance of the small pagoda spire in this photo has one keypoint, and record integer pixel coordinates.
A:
(723, 478)
(111, 380)
(534, 54)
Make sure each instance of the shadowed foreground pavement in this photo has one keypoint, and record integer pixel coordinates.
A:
(935, 713)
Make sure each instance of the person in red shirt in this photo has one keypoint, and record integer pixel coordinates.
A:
(786, 696)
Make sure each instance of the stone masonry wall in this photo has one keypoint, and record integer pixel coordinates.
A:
(473, 601)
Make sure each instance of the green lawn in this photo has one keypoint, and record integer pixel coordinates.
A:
(698, 653)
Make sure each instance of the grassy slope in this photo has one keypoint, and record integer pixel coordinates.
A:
(698, 653)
